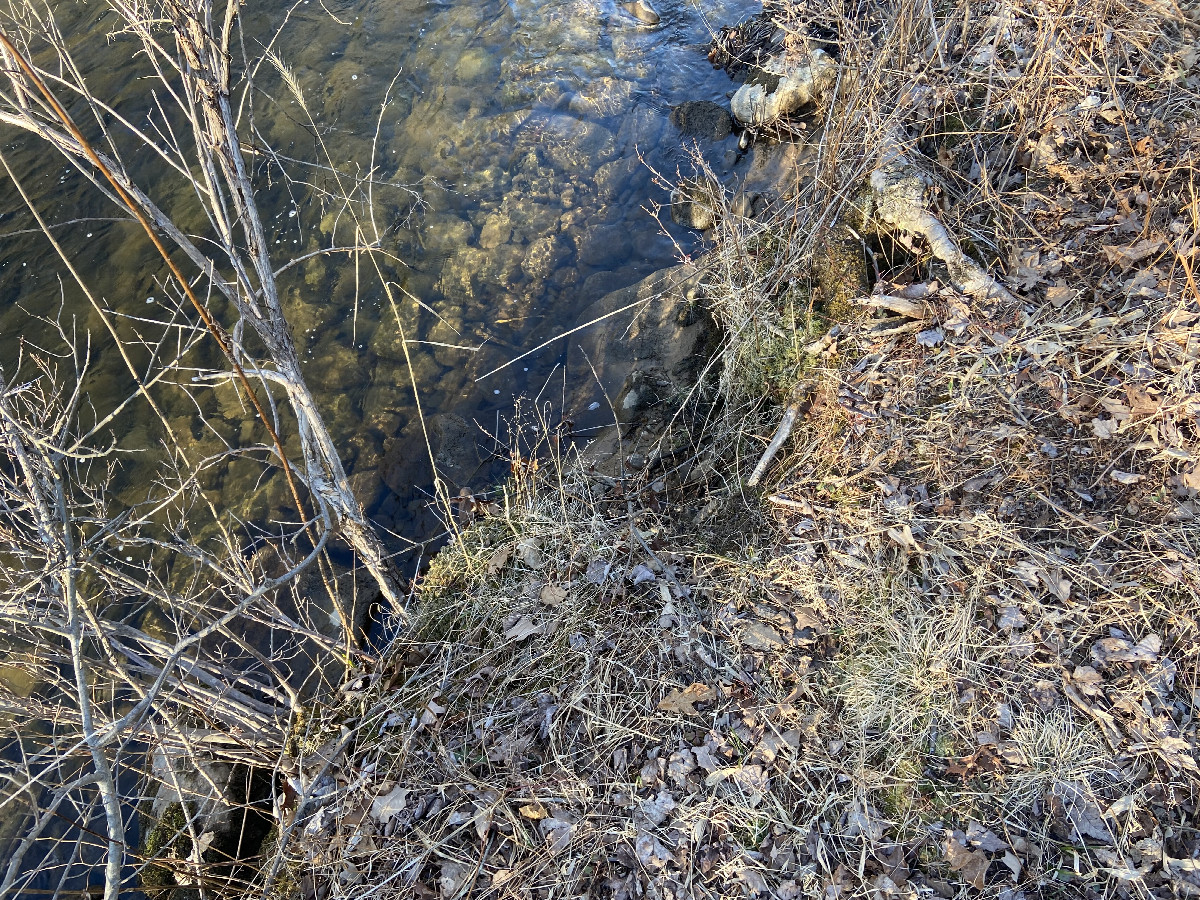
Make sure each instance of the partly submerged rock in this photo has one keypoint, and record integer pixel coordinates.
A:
(782, 86)
(643, 349)
(642, 11)
(702, 119)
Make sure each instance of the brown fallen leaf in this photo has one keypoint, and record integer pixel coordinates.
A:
(557, 833)
(683, 702)
(904, 537)
(1056, 584)
(1080, 810)
(971, 865)
(1125, 477)
(533, 810)
(531, 553)
(552, 594)
(387, 806)
(499, 559)
(761, 636)
(429, 715)
(653, 812)
(1087, 680)
(984, 760)
(1191, 478)
(1118, 650)
(705, 758)
(1141, 401)
(453, 876)
(522, 629)
(651, 853)
(980, 837)
(1060, 295)
(482, 820)
(806, 617)
(1011, 617)
(1127, 257)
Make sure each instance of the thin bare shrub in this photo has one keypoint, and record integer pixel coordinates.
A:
(168, 632)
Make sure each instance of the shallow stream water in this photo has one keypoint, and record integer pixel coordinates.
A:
(508, 148)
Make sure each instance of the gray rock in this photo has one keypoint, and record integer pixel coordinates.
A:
(496, 230)
(603, 245)
(455, 447)
(456, 453)
(772, 171)
(695, 203)
(206, 785)
(603, 96)
(641, 128)
(614, 177)
(642, 11)
(570, 144)
(198, 795)
(545, 255)
(643, 356)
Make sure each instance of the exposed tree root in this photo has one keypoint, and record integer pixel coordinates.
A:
(898, 194)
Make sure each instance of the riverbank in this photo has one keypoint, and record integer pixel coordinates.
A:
(947, 643)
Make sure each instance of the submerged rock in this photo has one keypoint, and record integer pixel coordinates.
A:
(661, 344)
(642, 11)
(782, 86)
(602, 245)
(694, 203)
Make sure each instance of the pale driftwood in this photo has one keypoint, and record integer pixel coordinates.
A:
(798, 84)
(207, 81)
(800, 402)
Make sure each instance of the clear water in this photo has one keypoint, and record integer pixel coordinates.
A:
(508, 148)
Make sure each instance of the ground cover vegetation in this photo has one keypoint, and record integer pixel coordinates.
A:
(947, 645)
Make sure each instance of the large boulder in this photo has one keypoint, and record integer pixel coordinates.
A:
(643, 354)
